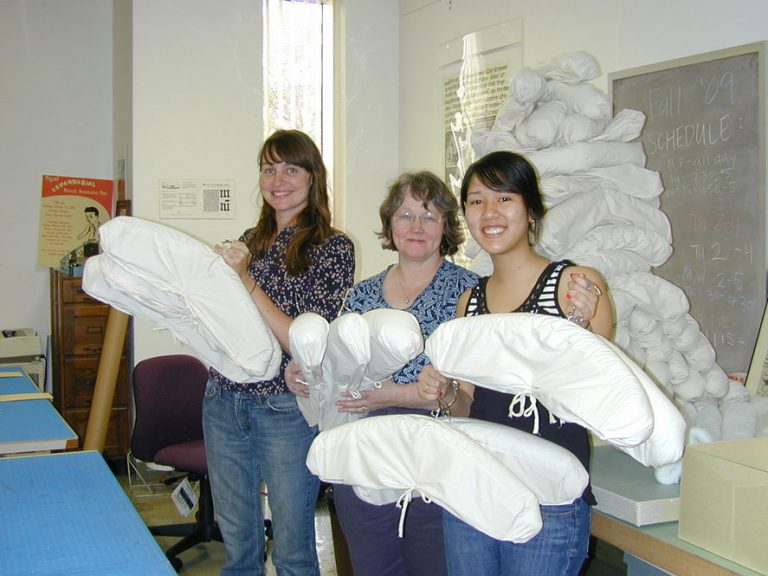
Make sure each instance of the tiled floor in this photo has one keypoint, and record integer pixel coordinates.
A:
(206, 559)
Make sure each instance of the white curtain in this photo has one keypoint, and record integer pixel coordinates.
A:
(293, 58)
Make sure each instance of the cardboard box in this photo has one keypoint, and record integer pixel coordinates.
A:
(724, 500)
(626, 489)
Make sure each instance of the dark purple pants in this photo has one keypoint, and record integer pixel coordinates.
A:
(374, 546)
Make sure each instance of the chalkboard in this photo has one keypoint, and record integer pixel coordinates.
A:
(705, 135)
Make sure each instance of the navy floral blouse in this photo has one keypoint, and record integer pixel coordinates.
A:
(320, 289)
(435, 305)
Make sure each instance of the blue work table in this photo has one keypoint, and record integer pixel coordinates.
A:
(31, 425)
(66, 514)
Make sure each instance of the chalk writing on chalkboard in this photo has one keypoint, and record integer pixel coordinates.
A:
(703, 134)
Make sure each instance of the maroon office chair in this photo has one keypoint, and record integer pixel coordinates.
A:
(168, 430)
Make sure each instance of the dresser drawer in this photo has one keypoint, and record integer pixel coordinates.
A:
(72, 292)
(79, 382)
(78, 326)
(83, 328)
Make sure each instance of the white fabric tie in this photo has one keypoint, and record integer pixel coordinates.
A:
(402, 503)
(517, 409)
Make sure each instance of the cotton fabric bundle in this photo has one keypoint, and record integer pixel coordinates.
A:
(169, 278)
(418, 453)
(551, 472)
(354, 352)
(308, 339)
(599, 178)
(579, 376)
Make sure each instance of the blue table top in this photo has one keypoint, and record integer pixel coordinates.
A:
(66, 514)
(30, 425)
(15, 381)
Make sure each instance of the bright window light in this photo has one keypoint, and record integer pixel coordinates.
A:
(298, 68)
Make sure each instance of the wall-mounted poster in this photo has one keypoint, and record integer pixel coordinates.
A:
(195, 198)
(476, 69)
(71, 211)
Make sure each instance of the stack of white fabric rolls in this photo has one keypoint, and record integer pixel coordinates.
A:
(603, 211)
(177, 282)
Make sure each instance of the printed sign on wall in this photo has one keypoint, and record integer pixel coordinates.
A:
(71, 211)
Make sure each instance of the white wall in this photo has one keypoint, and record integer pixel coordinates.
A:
(55, 118)
(620, 34)
(368, 34)
(197, 113)
(197, 100)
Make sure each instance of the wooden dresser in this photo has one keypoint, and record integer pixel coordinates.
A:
(78, 324)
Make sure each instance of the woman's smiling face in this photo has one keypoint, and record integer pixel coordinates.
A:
(285, 187)
(420, 239)
(498, 220)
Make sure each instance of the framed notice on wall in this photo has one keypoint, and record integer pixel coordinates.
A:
(211, 199)
(705, 135)
(476, 69)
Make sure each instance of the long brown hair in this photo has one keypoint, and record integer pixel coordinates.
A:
(313, 225)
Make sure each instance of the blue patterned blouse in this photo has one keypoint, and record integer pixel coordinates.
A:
(320, 288)
(435, 305)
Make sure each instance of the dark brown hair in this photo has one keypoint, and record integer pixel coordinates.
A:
(313, 225)
(508, 172)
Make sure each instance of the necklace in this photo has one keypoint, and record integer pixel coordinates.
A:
(407, 300)
(402, 288)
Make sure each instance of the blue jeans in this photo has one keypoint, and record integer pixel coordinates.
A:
(560, 549)
(249, 439)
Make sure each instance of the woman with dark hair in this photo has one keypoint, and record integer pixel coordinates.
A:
(293, 261)
(503, 208)
(420, 221)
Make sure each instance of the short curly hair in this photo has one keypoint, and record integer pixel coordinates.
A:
(428, 188)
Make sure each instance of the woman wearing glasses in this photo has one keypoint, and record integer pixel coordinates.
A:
(419, 219)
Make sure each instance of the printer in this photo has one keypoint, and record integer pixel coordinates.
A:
(21, 347)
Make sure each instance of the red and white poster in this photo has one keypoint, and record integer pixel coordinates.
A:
(71, 211)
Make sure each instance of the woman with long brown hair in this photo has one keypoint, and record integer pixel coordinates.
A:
(293, 261)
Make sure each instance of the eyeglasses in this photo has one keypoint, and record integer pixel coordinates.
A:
(427, 219)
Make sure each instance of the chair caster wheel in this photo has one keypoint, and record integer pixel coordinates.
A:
(176, 563)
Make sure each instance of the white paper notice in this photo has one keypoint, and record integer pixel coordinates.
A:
(213, 199)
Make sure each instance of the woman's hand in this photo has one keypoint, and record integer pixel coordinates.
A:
(362, 401)
(237, 256)
(583, 296)
(431, 385)
(295, 381)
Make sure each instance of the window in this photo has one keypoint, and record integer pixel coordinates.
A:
(298, 73)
